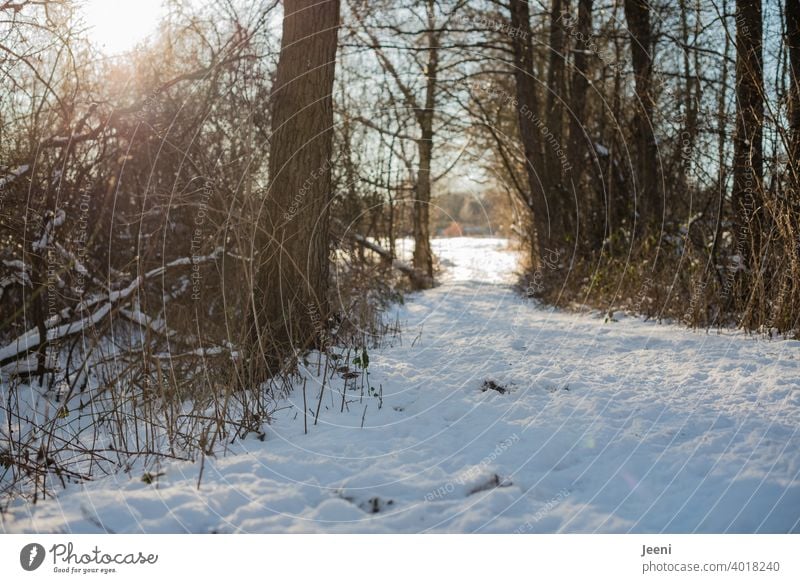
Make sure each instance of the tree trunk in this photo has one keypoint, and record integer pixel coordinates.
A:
(527, 105)
(793, 44)
(649, 203)
(423, 256)
(292, 271)
(578, 145)
(722, 140)
(691, 99)
(554, 107)
(747, 144)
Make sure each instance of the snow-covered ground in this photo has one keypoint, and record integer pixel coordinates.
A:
(605, 427)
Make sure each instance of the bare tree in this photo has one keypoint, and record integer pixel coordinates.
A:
(580, 141)
(290, 298)
(793, 45)
(748, 149)
(554, 114)
(527, 102)
(423, 256)
(580, 83)
(424, 112)
(637, 15)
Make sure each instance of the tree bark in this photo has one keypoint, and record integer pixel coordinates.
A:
(722, 140)
(423, 255)
(793, 45)
(691, 98)
(650, 205)
(578, 145)
(292, 268)
(748, 158)
(527, 105)
(554, 108)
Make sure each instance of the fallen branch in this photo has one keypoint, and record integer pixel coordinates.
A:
(115, 296)
(399, 265)
(201, 352)
(31, 341)
(420, 280)
(13, 175)
(155, 325)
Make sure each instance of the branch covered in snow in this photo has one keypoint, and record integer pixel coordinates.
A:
(30, 340)
(401, 266)
(157, 325)
(13, 175)
(55, 221)
(20, 275)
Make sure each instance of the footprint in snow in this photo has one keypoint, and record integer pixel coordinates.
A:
(372, 506)
(493, 482)
(491, 385)
(375, 505)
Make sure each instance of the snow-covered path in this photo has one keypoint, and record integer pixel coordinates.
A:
(605, 427)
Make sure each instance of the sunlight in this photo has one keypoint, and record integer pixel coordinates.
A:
(116, 26)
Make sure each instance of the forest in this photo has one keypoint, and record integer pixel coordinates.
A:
(302, 227)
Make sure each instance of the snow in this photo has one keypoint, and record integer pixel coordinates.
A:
(618, 426)
(55, 221)
(13, 175)
(20, 276)
(600, 149)
(30, 339)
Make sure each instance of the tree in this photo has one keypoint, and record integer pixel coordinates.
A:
(793, 45)
(527, 104)
(292, 268)
(423, 256)
(580, 83)
(748, 158)
(637, 15)
(424, 111)
(556, 97)
(580, 144)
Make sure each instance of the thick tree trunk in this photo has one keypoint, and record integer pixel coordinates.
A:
(527, 105)
(748, 150)
(292, 271)
(649, 203)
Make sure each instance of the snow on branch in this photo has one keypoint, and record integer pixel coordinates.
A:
(13, 175)
(30, 340)
(55, 221)
(401, 266)
(122, 294)
(20, 275)
(157, 325)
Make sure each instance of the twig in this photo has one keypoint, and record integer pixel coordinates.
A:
(202, 467)
(305, 409)
(319, 403)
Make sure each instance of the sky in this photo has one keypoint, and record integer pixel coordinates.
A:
(116, 26)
